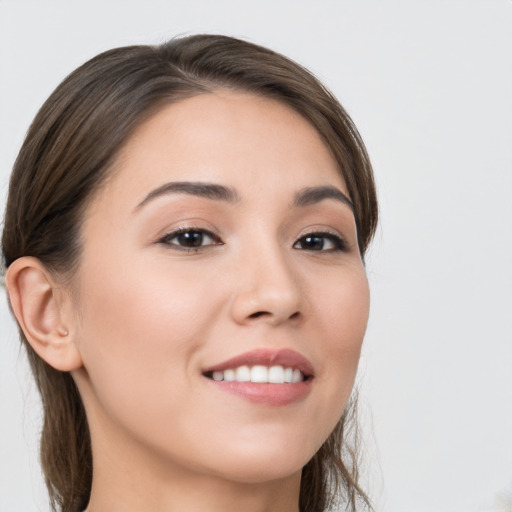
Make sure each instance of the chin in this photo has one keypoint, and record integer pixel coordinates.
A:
(264, 460)
(260, 472)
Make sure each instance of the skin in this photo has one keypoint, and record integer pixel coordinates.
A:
(150, 315)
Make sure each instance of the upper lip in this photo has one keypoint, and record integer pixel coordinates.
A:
(287, 358)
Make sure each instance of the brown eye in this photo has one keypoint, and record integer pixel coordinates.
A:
(320, 242)
(190, 239)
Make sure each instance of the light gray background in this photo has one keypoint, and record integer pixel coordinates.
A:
(429, 84)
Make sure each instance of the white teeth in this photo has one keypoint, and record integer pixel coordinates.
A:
(276, 374)
(229, 375)
(243, 374)
(297, 376)
(261, 374)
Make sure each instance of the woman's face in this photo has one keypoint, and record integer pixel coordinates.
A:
(223, 246)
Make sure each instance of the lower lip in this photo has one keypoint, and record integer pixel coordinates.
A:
(266, 393)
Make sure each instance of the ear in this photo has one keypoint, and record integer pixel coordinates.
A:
(43, 311)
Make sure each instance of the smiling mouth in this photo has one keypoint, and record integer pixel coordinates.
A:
(264, 376)
(263, 366)
(275, 374)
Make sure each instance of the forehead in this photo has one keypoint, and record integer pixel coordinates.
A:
(227, 137)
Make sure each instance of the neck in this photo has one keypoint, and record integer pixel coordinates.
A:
(128, 477)
(137, 490)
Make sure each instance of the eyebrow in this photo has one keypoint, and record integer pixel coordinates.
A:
(207, 190)
(313, 195)
(305, 197)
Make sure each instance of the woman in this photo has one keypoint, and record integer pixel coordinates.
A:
(184, 242)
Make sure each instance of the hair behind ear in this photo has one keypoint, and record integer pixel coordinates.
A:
(66, 455)
(46, 328)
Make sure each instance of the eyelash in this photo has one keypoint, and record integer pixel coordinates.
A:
(339, 244)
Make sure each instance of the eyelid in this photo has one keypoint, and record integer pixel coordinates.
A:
(186, 224)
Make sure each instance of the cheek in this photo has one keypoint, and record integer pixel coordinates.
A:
(343, 311)
(142, 328)
(349, 315)
(144, 307)
(342, 307)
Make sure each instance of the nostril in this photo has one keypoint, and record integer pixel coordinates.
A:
(258, 314)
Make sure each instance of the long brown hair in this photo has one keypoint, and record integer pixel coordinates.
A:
(68, 151)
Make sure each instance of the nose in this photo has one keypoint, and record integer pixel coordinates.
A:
(267, 289)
